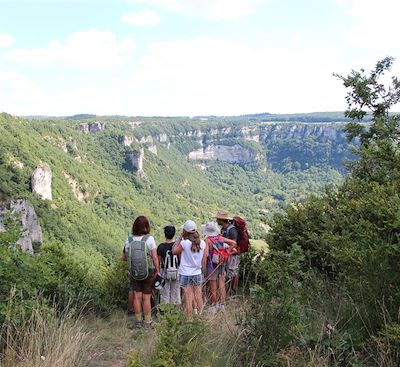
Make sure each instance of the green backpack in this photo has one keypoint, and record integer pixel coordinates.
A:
(140, 260)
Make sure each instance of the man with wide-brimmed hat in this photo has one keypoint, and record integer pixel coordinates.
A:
(228, 230)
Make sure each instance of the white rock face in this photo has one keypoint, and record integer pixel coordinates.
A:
(136, 159)
(127, 141)
(153, 149)
(41, 181)
(226, 153)
(31, 230)
(76, 188)
(93, 127)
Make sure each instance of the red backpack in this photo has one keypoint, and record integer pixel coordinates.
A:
(219, 254)
(243, 241)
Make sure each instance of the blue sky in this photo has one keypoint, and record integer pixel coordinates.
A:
(187, 57)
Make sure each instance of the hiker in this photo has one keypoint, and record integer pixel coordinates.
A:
(169, 263)
(228, 230)
(142, 288)
(193, 263)
(219, 250)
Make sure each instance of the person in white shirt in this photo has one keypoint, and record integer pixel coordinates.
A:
(192, 266)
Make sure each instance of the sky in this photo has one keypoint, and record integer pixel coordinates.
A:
(188, 57)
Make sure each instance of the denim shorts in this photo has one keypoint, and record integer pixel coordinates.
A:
(187, 280)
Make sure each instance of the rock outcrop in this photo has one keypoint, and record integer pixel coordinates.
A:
(24, 212)
(136, 160)
(93, 127)
(81, 196)
(41, 181)
(226, 153)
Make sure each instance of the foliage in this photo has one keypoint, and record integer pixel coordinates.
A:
(181, 342)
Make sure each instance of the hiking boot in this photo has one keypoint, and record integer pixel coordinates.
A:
(137, 324)
(221, 308)
(149, 324)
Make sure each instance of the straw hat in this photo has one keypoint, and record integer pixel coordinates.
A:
(222, 214)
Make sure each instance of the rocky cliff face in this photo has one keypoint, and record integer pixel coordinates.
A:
(225, 153)
(93, 127)
(136, 159)
(41, 181)
(26, 215)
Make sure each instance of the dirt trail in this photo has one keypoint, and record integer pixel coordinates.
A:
(113, 341)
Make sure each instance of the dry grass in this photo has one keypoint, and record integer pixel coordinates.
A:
(46, 339)
(115, 341)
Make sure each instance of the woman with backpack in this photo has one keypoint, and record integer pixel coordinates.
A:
(141, 252)
(193, 262)
(219, 250)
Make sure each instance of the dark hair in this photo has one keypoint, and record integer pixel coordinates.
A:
(141, 226)
(169, 232)
(193, 237)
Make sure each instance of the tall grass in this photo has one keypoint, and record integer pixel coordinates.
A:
(43, 336)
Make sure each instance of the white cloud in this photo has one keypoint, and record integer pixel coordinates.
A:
(145, 17)
(91, 49)
(375, 23)
(206, 76)
(213, 9)
(19, 95)
(6, 40)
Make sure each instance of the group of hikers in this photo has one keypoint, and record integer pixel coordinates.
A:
(186, 262)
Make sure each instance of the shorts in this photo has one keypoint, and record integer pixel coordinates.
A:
(233, 266)
(218, 272)
(144, 286)
(187, 280)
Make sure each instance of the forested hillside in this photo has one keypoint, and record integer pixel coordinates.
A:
(105, 170)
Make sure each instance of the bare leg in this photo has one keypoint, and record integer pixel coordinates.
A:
(137, 305)
(131, 296)
(198, 297)
(188, 292)
(147, 306)
(212, 284)
(222, 289)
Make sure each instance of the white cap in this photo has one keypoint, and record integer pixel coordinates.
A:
(190, 226)
(210, 229)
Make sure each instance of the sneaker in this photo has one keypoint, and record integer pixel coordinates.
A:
(212, 309)
(149, 324)
(221, 308)
(136, 325)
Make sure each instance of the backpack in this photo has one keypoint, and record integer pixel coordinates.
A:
(219, 254)
(140, 260)
(243, 241)
(171, 266)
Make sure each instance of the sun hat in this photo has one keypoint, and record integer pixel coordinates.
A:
(210, 229)
(222, 214)
(190, 226)
(159, 282)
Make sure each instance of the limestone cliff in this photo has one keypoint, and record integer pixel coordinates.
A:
(225, 153)
(24, 212)
(41, 181)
